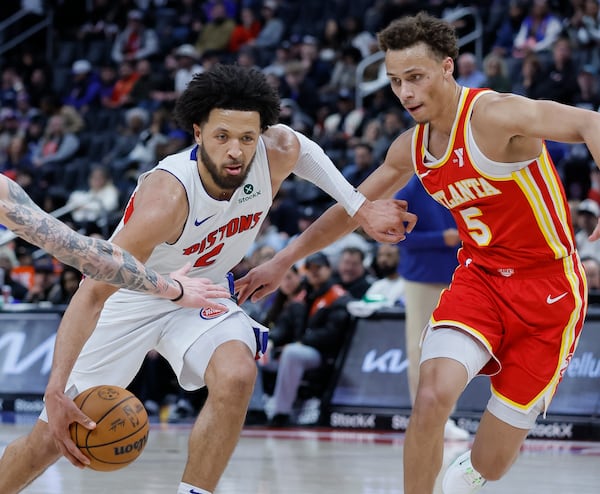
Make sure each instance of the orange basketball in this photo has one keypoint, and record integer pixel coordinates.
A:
(121, 431)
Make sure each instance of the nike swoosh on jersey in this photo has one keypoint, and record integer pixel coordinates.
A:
(424, 174)
(198, 223)
(552, 300)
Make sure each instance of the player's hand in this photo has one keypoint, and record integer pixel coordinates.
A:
(386, 220)
(199, 292)
(260, 281)
(62, 412)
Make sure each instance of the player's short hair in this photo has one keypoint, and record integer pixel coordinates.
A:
(228, 87)
(405, 32)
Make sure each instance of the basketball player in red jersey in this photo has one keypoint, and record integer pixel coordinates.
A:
(517, 301)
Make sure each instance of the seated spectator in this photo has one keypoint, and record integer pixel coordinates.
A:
(271, 34)
(97, 202)
(120, 96)
(496, 74)
(351, 273)
(586, 220)
(18, 156)
(187, 65)
(215, 34)
(8, 261)
(363, 165)
(538, 31)
(559, 80)
(86, 87)
(136, 41)
(530, 77)
(341, 126)
(63, 290)
(509, 27)
(588, 96)
(469, 74)
(43, 281)
(583, 29)
(320, 340)
(297, 87)
(344, 73)
(246, 30)
(387, 290)
(57, 146)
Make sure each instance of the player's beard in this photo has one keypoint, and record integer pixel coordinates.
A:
(226, 182)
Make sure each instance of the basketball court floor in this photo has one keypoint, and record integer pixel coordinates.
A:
(307, 461)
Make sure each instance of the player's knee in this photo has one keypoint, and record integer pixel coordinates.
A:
(432, 401)
(237, 377)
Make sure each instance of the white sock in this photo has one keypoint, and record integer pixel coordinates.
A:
(190, 489)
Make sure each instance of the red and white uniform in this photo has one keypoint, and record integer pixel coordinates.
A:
(519, 288)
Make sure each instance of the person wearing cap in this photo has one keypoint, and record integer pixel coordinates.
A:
(187, 65)
(317, 342)
(136, 41)
(86, 87)
(588, 212)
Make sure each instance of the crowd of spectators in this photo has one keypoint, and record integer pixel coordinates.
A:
(77, 129)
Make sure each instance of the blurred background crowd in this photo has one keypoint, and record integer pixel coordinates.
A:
(86, 100)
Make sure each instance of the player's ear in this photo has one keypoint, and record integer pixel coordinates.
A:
(197, 133)
(448, 67)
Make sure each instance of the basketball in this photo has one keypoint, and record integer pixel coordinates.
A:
(121, 431)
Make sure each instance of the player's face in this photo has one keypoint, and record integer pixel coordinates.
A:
(227, 143)
(420, 81)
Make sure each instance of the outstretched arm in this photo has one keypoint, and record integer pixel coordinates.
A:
(392, 175)
(97, 258)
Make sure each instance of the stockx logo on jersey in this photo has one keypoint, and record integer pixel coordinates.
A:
(212, 244)
(249, 193)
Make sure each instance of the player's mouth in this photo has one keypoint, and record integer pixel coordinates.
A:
(234, 170)
(413, 108)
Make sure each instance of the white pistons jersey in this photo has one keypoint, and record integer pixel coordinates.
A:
(217, 234)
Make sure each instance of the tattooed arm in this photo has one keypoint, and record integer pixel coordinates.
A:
(97, 258)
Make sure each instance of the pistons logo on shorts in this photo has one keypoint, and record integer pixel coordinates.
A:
(208, 313)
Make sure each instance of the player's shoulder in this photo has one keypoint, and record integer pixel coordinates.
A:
(279, 136)
(402, 143)
(280, 141)
(494, 103)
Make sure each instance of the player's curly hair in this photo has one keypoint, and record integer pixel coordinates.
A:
(405, 32)
(228, 87)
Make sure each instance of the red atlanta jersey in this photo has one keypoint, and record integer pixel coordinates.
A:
(511, 216)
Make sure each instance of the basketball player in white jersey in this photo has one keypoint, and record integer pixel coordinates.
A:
(203, 205)
(97, 258)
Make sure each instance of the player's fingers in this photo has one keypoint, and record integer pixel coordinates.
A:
(82, 419)
(402, 204)
(242, 289)
(410, 219)
(72, 453)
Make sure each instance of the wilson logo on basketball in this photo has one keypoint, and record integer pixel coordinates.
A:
(135, 446)
(208, 313)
